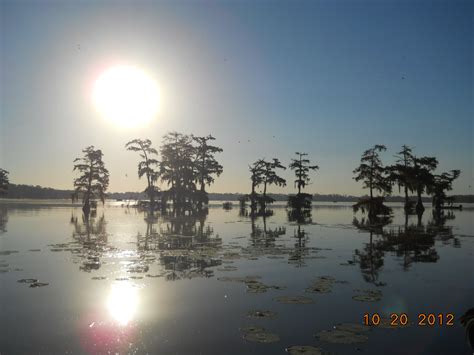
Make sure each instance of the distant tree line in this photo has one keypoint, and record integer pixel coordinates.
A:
(22, 191)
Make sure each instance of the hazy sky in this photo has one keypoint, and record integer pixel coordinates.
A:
(330, 78)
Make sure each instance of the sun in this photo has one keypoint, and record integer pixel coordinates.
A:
(126, 96)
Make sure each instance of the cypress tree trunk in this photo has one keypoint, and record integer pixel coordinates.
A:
(407, 202)
(419, 205)
(86, 208)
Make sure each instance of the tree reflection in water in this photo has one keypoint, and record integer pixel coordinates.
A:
(260, 235)
(412, 243)
(90, 234)
(300, 251)
(187, 246)
(3, 219)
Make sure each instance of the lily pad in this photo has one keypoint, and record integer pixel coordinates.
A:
(294, 300)
(8, 252)
(322, 285)
(368, 296)
(254, 286)
(337, 336)
(252, 329)
(27, 281)
(38, 284)
(262, 337)
(303, 349)
(238, 279)
(353, 327)
(261, 314)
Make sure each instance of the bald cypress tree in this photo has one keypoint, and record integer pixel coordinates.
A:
(257, 170)
(269, 176)
(442, 183)
(375, 178)
(93, 180)
(4, 182)
(402, 173)
(423, 178)
(301, 166)
(177, 169)
(147, 167)
(206, 165)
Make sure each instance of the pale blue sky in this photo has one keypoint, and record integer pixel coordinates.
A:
(330, 78)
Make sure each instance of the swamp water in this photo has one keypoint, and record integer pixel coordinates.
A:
(228, 283)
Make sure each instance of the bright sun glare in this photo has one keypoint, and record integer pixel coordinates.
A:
(127, 96)
(122, 302)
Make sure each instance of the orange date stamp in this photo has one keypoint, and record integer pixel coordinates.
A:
(403, 320)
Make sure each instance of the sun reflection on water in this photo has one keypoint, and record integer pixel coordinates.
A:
(122, 302)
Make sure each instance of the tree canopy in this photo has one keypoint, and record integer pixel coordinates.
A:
(148, 166)
(442, 183)
(423, 177)
(4, 182)
(93, 180)
(372, 172)
(205, 163)
(301, 167)
(402, 172)
(177, 167)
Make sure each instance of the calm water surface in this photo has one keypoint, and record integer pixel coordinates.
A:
(125, 282)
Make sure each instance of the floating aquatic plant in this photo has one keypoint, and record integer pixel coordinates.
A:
(367, 295)
(262, 337)
(238, 278)
(303, 350)
(294, 300)
(261, 314)
(345, 333)
(27, 281)
(259, 335)
(8, 252)
(252, 329)
(324, 284)
(341, 336)
(352, 327)
(38, 284)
